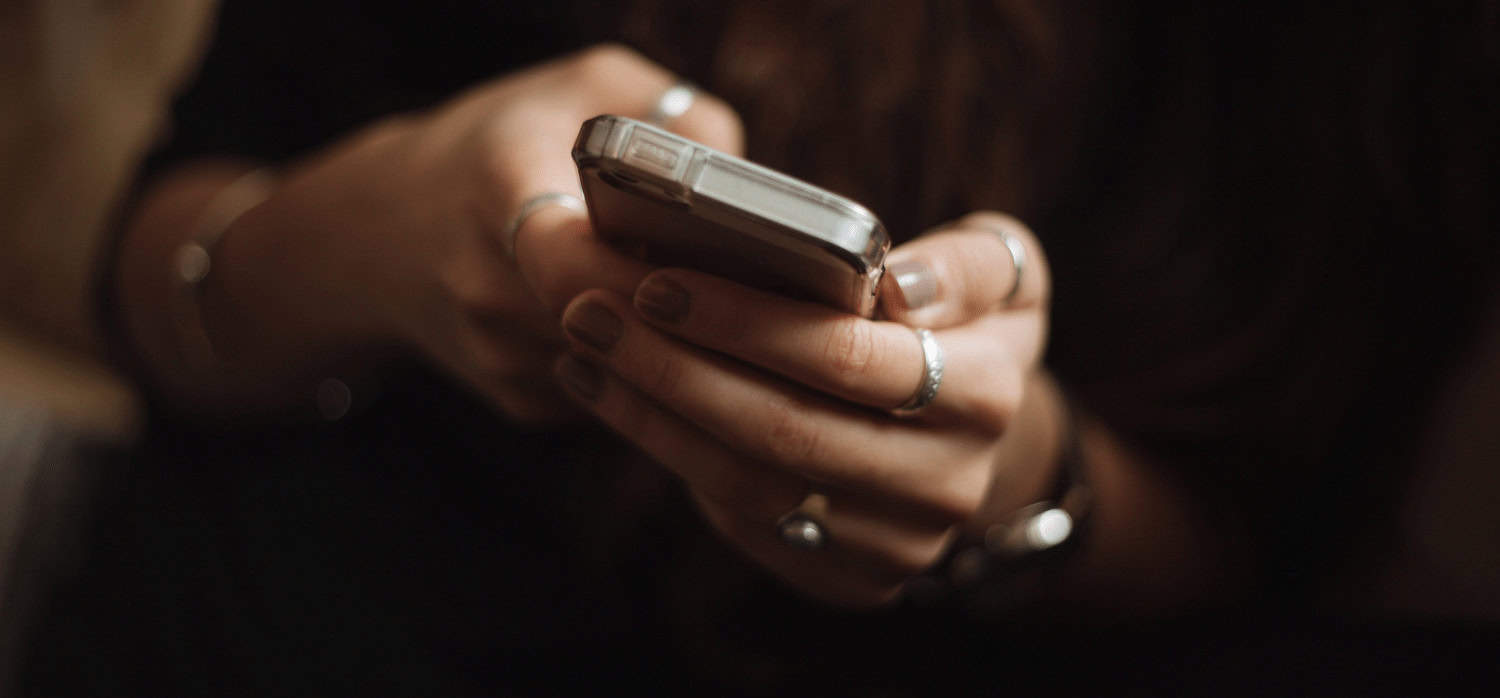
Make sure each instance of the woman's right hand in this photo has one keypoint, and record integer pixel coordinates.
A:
(394, 235)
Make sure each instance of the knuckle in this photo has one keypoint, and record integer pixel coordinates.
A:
(605, 60)
(494, 164)
(959, 498)
(997, 407)
(993, 414)
(850, 350)
(790, 438)
(1036, 258)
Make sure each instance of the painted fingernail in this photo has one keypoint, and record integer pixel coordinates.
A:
(594, 325)
(917, 282)
(580, 377)
(662, 299)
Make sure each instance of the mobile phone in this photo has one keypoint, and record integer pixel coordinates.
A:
(680, 203)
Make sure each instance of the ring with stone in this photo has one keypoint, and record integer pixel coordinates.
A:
(801, 528)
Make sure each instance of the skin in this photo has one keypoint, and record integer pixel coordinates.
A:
(806, 406)
(390, 242)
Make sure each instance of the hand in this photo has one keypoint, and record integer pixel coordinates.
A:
(755, 401)
(395, 234)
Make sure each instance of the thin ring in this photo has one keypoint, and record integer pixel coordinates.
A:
(532, 205)
(672, 103)
(932, 375)
(800, 527)
(1017, 261)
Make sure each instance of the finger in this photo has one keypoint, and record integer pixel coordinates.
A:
(882, 536)
(680, 446)
(862, 361)
(768, 420)
(958, 273)
(879, 364)
(875, 544)
(530, 146)
(823, 574)
(563, 257)
(493, 294)
(618, 80)
(528, 149)
(882, 532)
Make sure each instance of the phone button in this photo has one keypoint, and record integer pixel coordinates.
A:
(655, 155)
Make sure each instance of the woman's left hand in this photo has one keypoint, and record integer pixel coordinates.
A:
(756, 401)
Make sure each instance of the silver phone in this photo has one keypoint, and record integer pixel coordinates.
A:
(680, 203)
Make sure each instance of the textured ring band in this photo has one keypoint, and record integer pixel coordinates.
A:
(532, 205)
(672, 103)
(932, 374)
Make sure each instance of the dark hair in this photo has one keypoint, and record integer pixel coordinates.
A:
(1271, 230)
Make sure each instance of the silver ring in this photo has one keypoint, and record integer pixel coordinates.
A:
(673, 103)
(1017, 261)
(800, 528)
(532, 205)
(932, 375)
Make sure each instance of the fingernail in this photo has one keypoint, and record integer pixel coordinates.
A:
(594, 325)
(663, 299)
(917, 282)
(580, 377)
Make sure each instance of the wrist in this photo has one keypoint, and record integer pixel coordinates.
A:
(256, 324)
(1010, 555)
(1029, 454)
(277, 310)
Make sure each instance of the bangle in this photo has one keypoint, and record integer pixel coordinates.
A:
(193, 262)
(1008, 565)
